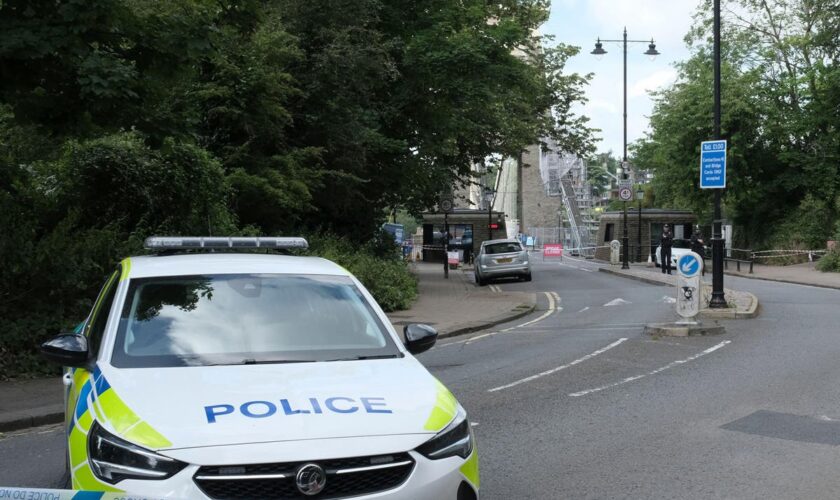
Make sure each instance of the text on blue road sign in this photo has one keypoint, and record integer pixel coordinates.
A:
(713, 164)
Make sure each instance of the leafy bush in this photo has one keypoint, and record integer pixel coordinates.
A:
(830, 262)
(806, 228)
(377, 264)
(70, 218)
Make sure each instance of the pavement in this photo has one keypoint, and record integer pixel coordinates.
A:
(456, 306)
(453, 306)
(30, 403)
(802, 274)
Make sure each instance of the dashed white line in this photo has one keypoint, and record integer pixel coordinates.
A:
(584, 309)
(554, 370)
(654, 372)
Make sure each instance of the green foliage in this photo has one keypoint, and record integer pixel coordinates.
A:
(830, 262)
(378, 265)
(125, 118)
(779, 101)
(72, 217)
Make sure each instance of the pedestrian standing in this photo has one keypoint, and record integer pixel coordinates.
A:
(698, 246)
(666, 241)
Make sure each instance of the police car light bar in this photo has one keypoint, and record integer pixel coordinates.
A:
(212, 242)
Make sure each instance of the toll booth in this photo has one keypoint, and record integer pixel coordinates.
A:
(468, 229)
(611, 227)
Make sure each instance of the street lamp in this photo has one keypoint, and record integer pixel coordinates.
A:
(489, 197)
(598, 53)
(640, 195)
(718, 299)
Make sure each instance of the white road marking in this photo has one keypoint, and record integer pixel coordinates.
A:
(552, 308)
(585, 269)
(474, 424)
(668, 299)
(554, 370)
(654, 372)
(584, 309)
(617, 302)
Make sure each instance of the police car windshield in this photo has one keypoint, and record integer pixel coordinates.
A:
(246, 319)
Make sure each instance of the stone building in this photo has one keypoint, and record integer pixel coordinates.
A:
(611, 227)
(468, 229)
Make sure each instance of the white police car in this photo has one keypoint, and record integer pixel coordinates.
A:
(244, 375)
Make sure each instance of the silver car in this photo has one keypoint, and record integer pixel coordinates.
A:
(502, 258)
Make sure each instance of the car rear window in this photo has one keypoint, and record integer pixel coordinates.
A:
(246, 319)
(508, 247)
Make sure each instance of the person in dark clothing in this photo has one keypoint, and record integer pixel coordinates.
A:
(698, 246)
(666, 241)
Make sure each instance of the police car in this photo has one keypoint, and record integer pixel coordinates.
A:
(217, 374)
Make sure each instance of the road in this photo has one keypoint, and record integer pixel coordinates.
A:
(574, 401)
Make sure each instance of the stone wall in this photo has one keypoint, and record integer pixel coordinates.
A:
(537, 208)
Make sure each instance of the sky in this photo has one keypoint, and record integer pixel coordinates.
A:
(580, 22)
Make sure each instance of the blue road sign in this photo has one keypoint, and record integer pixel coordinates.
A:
(713, 164)
(688, 265)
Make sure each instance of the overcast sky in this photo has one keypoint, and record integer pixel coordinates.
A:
(580, 22)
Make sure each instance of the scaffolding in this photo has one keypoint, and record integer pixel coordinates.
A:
(565, 175)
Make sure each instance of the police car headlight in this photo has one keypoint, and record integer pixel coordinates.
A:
(113, 459)
(454, 440)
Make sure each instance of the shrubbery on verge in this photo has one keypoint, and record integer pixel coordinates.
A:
(377, 264)
(830, 262)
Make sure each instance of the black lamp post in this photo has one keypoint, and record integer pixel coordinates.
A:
(489, 196)
(640, 195)
(718, 299)
(598, 52)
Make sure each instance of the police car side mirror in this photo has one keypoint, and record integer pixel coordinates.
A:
(419, 338)
(67, 349)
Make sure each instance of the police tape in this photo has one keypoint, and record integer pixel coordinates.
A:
(778, 254)
(53, 494)
(574, 249)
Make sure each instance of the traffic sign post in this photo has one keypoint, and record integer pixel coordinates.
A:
(625, 191)
(689, 266)
(625, 194)
(445, 205)
(713, 164)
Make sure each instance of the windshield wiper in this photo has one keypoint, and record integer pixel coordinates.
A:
(250, 361)
(359, 358)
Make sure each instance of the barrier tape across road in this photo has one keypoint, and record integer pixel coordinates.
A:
(53, 494)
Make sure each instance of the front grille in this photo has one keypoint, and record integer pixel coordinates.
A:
(339, 485)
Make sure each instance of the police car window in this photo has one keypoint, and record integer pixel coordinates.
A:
(100, 313)
(245, 319)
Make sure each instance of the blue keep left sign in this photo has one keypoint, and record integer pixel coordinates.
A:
(688, 265)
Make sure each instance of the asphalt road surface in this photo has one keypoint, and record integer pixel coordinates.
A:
(574, 401)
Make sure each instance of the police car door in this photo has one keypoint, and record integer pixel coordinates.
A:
(93, 328)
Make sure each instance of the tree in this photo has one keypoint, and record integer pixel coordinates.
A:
(779, 105)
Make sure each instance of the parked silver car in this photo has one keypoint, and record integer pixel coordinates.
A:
(502, 258)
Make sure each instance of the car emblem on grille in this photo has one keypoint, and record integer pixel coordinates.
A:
(311, 479)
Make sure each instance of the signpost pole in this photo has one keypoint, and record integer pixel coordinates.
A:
(445, 246)
(718, 299)
(625, 194)
(625, 241)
